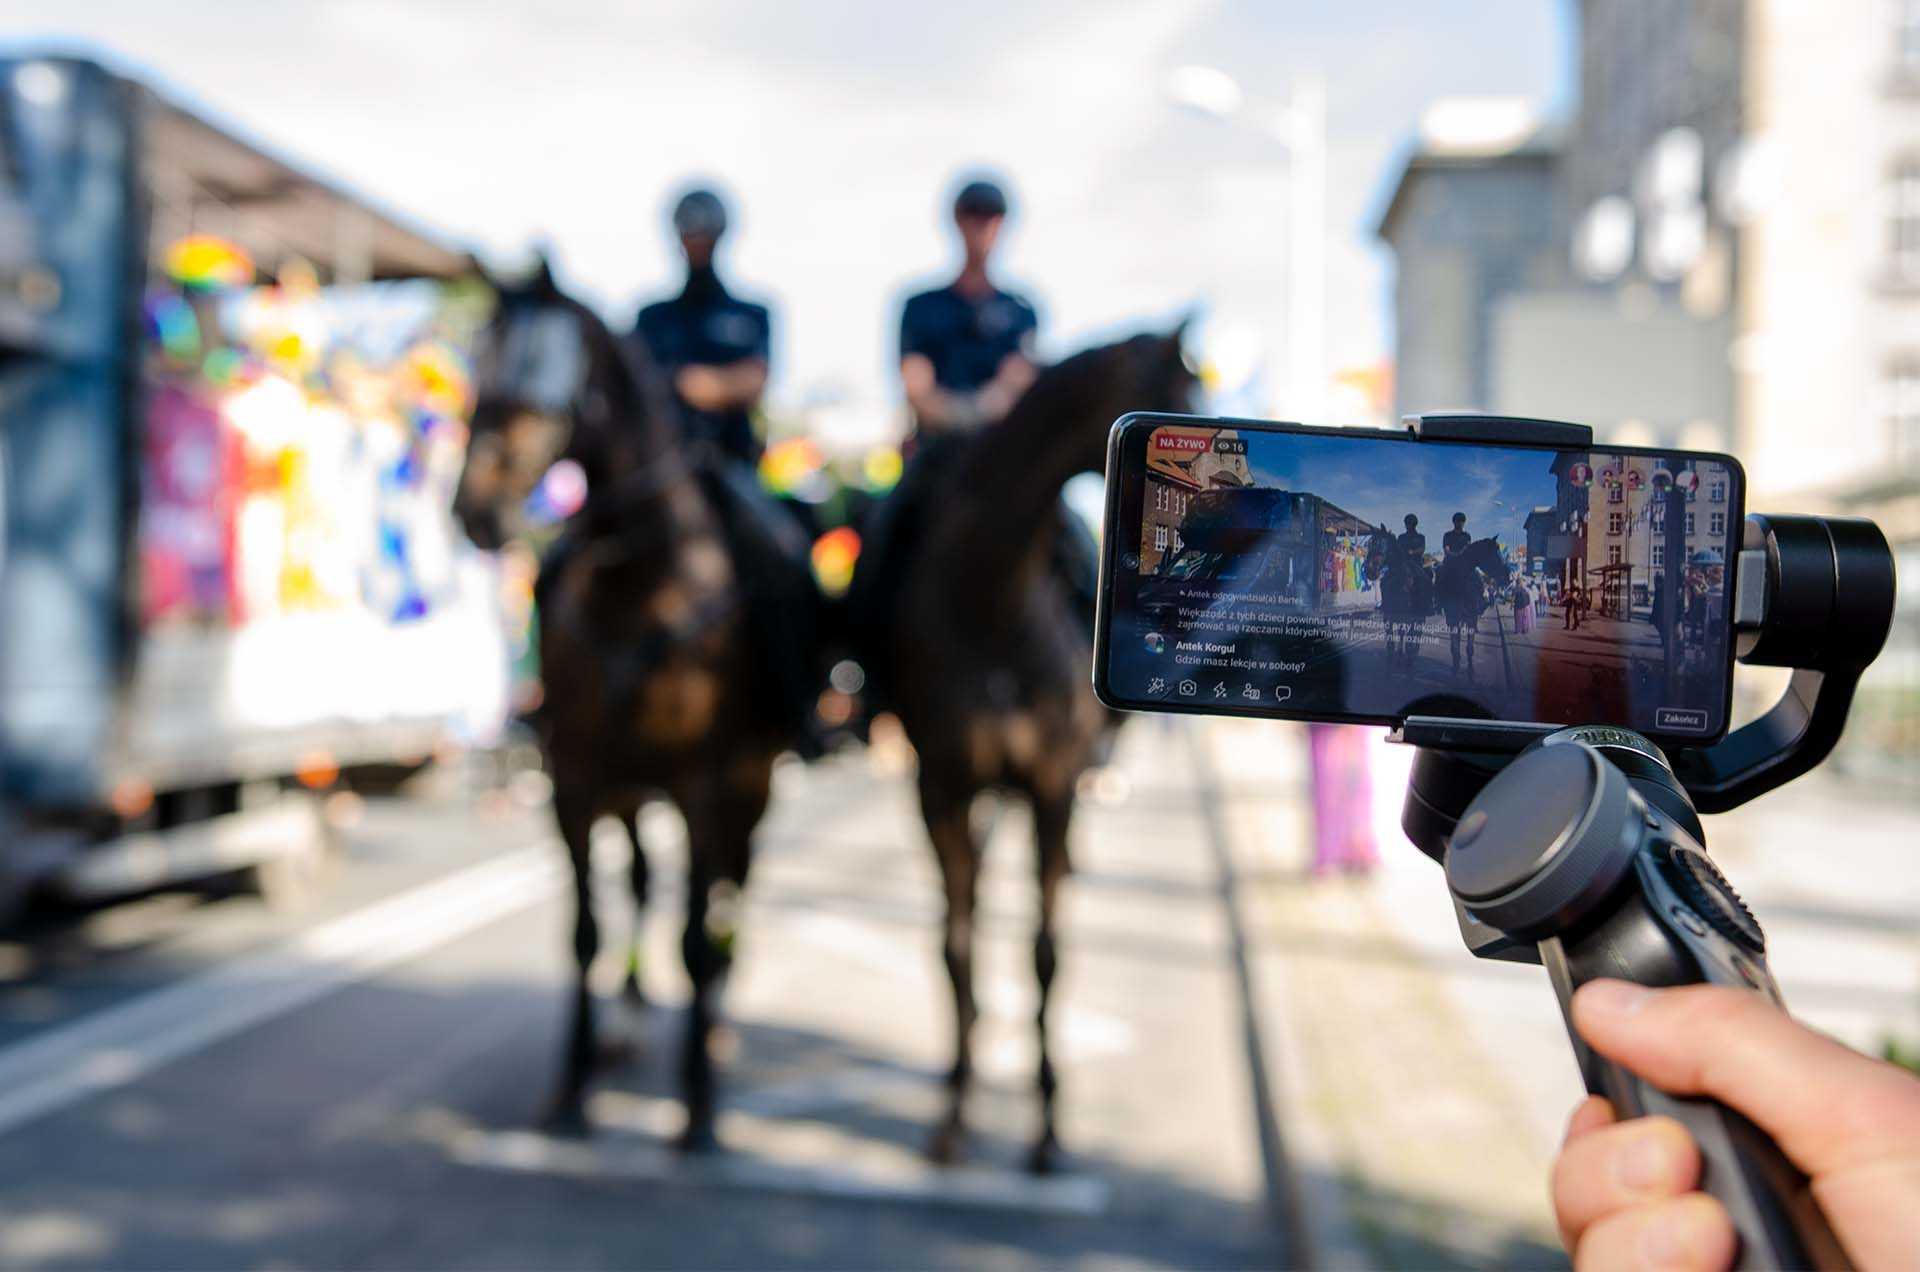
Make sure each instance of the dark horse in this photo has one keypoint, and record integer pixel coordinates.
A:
(653, 680)
(1406, 595)
(1462, 586)
(990, 655)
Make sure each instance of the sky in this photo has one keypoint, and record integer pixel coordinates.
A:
(1383, 481)
(838, 127)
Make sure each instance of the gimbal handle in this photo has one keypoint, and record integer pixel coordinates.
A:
(1569, 851)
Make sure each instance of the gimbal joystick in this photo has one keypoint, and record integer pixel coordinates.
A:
(1581, 849)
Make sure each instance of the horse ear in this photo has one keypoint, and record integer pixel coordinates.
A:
(541, 282)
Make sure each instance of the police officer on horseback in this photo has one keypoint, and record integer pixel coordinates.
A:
(966, 349)
(1412, 542)
(713, 346)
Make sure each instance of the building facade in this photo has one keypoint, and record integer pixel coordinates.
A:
(1469, 224)
(1828, 355)
(1181, 463)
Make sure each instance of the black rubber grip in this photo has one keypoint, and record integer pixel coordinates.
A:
(1768, 1198)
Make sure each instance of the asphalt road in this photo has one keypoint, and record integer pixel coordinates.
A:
(205, 1082)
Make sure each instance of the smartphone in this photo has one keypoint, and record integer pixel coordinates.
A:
(1366, 575)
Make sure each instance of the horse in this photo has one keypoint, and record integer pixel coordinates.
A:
(651, 673)
(990, 655)
(1406, 595)
(1460, 584)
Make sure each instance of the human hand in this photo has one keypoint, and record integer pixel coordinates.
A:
(703, 388)
(1626, 1193)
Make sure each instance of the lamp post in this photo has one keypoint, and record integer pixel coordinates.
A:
(1301, 127)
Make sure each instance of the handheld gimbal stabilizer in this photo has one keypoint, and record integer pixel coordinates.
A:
(1581, 849)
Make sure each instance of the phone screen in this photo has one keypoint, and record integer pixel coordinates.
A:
(1350, 575)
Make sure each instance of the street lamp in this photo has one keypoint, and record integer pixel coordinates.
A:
(1300, 126)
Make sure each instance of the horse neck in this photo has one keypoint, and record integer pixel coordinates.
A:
(624, 442)
(999, 522)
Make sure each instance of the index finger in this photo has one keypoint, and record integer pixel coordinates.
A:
(1827, 1106)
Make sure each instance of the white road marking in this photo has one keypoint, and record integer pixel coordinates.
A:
(896, 1176)
(121, 1044)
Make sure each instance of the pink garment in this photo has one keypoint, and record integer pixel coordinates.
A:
(1342, 798)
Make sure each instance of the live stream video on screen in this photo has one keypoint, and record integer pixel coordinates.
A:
(1371, 578)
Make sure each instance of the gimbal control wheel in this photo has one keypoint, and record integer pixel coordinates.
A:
(1705, 890)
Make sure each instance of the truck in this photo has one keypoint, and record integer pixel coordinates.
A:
(232, 415)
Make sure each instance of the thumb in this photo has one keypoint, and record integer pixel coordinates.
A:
(1829, 1108)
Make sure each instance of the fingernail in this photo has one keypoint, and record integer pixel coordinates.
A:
(1644, 1166)
(1616, 998)
(1671, 1240)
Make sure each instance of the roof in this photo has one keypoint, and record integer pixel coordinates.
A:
(274, 209)
(1542, 146)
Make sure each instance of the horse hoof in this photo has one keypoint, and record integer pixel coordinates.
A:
(1044, 1157)
(698, 1138)
(946, 1148)
(567, 1119)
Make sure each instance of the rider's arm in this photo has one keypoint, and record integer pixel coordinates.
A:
(723, 387)
(934, 409)
(737, 384)
(940, 410)
(1626, 1192)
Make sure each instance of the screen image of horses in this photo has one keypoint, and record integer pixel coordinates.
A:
(1372, 578)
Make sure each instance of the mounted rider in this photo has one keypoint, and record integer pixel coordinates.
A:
(967, 354)
(1412, 542)
(1456, 540)
(714, 347)
(966, 349)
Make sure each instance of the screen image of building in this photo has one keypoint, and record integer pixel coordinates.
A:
(1180, 463)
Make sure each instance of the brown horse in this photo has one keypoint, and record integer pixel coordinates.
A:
(989, 656)
(653, 680)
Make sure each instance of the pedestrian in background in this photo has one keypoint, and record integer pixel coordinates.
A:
(1522, 608)
(1342, 799)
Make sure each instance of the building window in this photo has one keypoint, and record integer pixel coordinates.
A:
(1903, 219)
(1178, 543)
(1616, 494)
(1159, 538)
(1717, 490)
(1659, 520)
(1616, 523)
(1903, 412)
(1613, 554)
(1717, 523)
(1689, 525)
(1658, 557)
(1906, 36)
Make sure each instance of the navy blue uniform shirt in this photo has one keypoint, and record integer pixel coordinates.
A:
(705, 326)
(966, 338)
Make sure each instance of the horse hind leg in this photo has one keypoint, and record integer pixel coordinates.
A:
(1051, 818)
(567, 1114)
(633, 987)
(949, 827)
